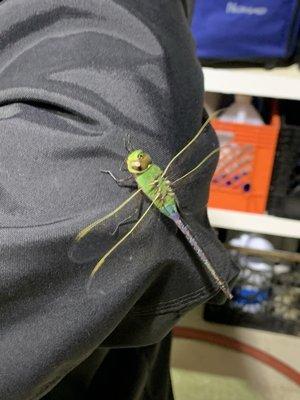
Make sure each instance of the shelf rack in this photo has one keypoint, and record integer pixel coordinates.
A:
(278, 83)
(258, 223)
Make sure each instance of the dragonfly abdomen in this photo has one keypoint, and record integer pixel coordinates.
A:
(200, 253)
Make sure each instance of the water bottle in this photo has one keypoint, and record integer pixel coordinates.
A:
(242, 111)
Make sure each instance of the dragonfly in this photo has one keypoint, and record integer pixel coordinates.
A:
(153, 182)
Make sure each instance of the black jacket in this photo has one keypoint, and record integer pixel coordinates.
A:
(75, 77)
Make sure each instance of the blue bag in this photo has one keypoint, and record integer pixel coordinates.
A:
(246, 30)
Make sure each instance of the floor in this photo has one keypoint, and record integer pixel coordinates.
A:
(203, 370)
(190, 385)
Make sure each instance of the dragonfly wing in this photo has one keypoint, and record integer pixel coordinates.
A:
(96, 238)
(193, 145)
(190, 173)
(198, 159)
(121, 240)
(187, 176)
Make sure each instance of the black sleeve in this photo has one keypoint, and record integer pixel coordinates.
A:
(188, 7)
(76, 76)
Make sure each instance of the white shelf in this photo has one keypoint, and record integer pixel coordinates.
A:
(258, 223)
(280, 83)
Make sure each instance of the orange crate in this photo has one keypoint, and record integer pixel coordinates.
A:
(242, 178)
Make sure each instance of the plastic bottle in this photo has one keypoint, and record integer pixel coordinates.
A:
(252, 292)
(242, 111)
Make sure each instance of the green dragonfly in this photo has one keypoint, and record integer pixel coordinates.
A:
(152, 181)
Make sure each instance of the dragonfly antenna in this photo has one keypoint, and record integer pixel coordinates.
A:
(127, 143)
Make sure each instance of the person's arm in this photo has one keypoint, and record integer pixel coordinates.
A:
(76, 76)
(188, 7)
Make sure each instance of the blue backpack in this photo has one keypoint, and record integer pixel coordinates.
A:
(246, 31)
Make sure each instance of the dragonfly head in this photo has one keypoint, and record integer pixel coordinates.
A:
(138, 161)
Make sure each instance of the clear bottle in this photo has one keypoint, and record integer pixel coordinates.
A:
(242, 111)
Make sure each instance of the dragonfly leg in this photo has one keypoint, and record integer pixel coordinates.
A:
(131, 219)
(125, 221)
(121, 182)
(123, 166)
(141, 207)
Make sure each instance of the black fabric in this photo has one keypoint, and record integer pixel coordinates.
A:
(75, 77)
(140, 373)
(188, 7)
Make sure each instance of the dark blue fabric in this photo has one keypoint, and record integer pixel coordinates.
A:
(245, 30)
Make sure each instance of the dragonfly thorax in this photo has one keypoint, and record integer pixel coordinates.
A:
(157, 188)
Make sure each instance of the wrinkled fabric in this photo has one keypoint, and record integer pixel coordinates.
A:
(118, 374)
(77, 76)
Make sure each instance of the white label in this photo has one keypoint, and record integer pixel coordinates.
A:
(235, 8)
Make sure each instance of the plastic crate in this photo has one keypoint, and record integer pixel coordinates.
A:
(262, 298)
(242, 178)
(228, 315)
(282, 201)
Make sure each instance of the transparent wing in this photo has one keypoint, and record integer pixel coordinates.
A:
(103, 238)
(197, 148)
(187, 176)
(196, 161)
(95, 239)
(191, 169)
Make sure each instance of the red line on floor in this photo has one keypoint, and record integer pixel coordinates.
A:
(226, 341)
